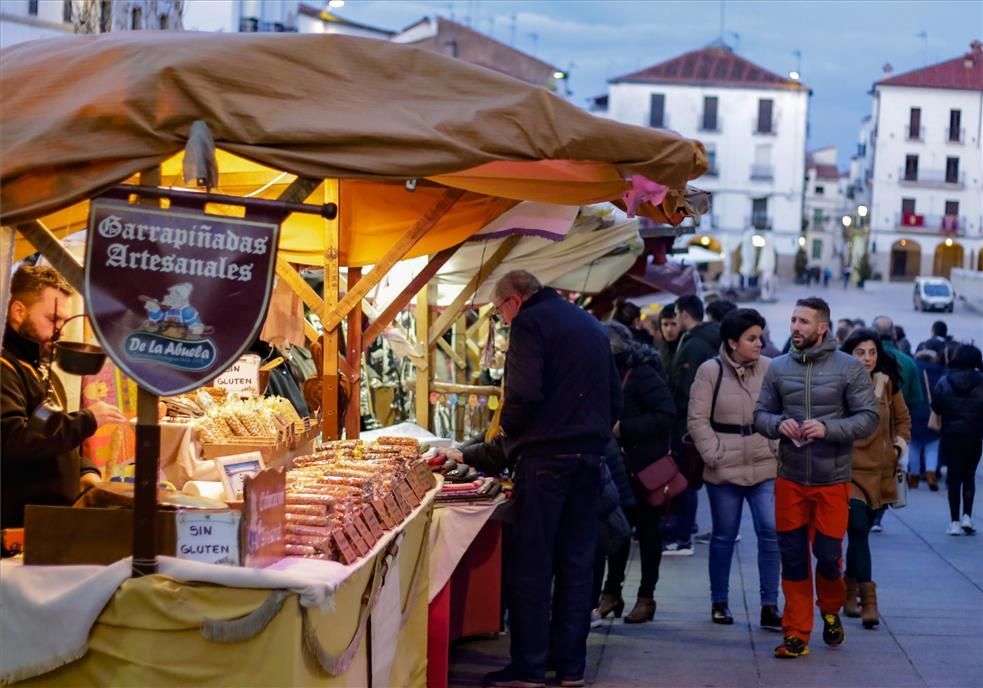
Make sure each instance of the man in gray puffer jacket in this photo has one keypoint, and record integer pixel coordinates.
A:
(817, 401)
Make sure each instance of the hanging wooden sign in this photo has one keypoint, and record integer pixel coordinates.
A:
(176, 296)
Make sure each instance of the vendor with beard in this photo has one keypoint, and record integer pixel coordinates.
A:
(40, 468)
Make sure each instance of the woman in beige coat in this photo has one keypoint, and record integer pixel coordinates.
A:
(740, 464)
(875, 462)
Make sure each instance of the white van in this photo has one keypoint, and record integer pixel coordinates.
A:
(933, 294)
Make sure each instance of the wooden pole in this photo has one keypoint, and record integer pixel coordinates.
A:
(461, 350)
(147, 458)
(331, 426)
(41, 238)
(353, 419)
(423, 372)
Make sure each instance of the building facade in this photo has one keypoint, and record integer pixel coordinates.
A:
(826, 204)
(926, 212)
(753, 123)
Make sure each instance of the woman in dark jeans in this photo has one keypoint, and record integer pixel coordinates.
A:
(644, 432)
(958, 399)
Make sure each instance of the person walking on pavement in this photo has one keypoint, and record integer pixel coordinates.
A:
(941, 342)
(958, 399)
(876, 460)
(699, 343)
(669, 329)
(644, 431)
(923, 452)
(740, 464)
(562, 397)
(817, 401)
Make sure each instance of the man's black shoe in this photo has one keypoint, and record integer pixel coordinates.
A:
(771, 619)
(833, 632)
(507, 678)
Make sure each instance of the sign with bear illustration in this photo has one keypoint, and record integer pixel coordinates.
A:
(176, 296)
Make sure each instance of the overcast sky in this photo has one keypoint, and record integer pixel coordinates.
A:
(844, 44)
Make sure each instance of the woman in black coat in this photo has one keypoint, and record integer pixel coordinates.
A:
(643, 431)
(958, 399)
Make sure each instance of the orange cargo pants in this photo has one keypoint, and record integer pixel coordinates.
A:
(811, 521)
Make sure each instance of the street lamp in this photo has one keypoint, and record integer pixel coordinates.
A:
(847, 221)
(802, 241)
(758, 241)
(336, 4)
(794, 75)
(862, 210)
(705, 241)
(948, 241)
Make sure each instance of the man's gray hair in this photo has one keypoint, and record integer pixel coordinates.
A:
(884, 327)
(517, 282)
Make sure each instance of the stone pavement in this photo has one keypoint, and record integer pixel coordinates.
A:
(930, 589)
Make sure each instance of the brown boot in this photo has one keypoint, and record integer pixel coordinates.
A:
(932, 478)
(610, 603)
(913, 481)
(851, 607)
(868, 601)
(644, 611)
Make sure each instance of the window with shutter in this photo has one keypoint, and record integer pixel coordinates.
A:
(710, 113)
(911, 168)
(657, 110)
(952, 170)
(765, 123)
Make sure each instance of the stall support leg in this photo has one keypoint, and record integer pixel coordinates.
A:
(353, 419)
(423, 372)
(145, 487)
(331, 425)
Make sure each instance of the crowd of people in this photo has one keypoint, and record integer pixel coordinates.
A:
(613, 428)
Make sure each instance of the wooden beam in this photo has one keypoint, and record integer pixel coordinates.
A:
(396, 253)
(453, 355)
(408, 294)
(460, 349)
(451, 312)
(310, 332)
(331, 425)
(448, 388)
(41, 238)
(484, 313)
(353, 418)
(299, 285)
(423, 373)
(299, 190)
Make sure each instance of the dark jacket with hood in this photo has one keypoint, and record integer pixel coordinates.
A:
(647, 419)
(36, 469)
(958, 398)
(695, 347)
(933, 372)
(562, 392)
(825, 384)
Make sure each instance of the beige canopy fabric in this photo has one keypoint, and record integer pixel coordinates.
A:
(82, 113)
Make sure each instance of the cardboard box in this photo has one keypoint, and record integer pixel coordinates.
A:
(60, 535)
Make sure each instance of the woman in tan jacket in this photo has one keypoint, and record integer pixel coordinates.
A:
(875, 462)
(740, 464)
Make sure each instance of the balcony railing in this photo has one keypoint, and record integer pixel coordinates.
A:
(948, 225)
(914, 133)
(711, 125)
(765, 128)
(922, 177)
(955, 135)
(762, 172)
(758, 222)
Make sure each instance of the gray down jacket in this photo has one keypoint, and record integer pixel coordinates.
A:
(827, 385)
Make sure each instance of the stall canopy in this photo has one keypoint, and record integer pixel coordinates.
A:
(81, 114)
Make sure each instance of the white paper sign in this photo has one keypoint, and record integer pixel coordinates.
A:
(242, 379)
(210, 537)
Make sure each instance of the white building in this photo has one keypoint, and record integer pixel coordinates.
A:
(826, 204)
(927, 191)
(754, 125)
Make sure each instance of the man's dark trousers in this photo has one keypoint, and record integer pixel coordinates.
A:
(555, 534)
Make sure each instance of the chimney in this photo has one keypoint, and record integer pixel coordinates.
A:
(887, 68)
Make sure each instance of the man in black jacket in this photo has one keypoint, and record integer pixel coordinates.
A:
(40, 468)
(561, 398)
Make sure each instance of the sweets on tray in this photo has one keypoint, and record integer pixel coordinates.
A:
(342, 496)
(220, 419)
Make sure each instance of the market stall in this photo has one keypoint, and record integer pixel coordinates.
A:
(321, 147)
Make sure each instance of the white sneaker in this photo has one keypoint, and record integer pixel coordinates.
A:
(595, 619)
(954, 529)
(877, 528)
(967, 525)
(675, 549)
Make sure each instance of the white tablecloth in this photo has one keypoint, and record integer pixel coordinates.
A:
(454, 528)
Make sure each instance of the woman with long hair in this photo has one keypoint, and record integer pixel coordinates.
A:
(875, 463)
(644, 432)
(958, 399)
(740, 464)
